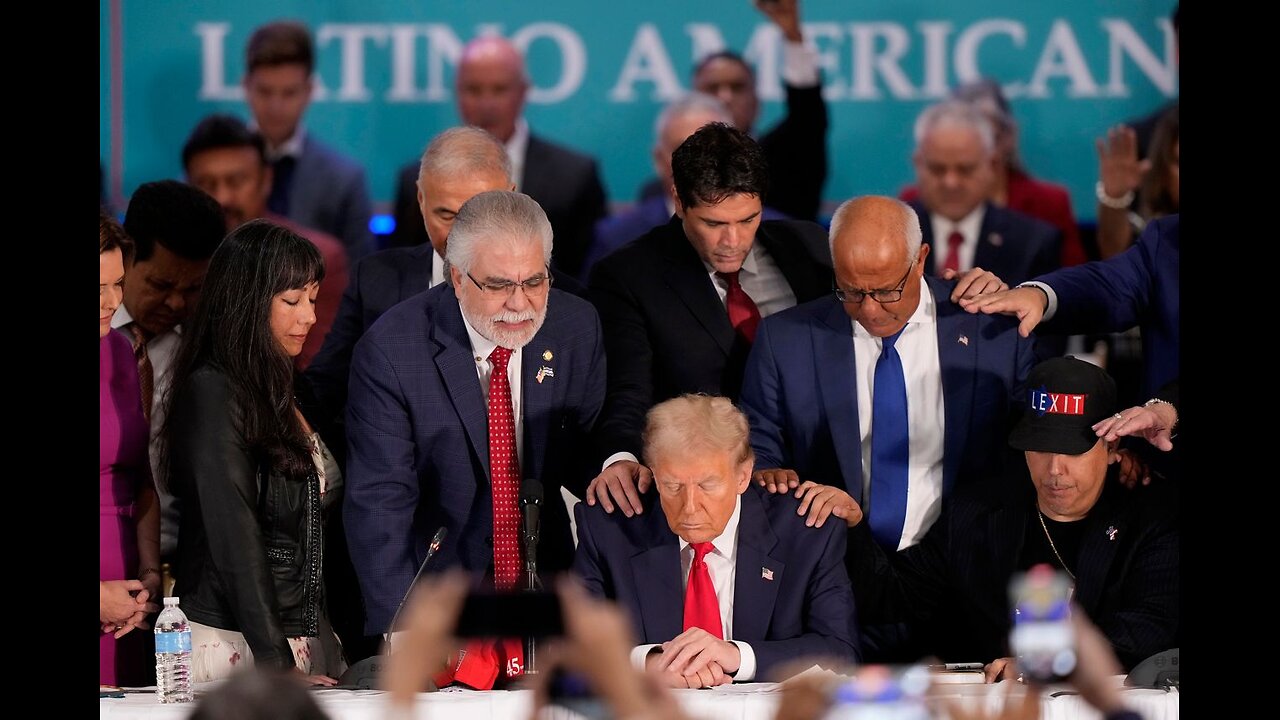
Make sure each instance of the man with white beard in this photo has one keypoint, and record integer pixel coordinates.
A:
(456, 395)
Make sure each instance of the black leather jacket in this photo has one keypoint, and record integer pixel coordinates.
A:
(251, 547)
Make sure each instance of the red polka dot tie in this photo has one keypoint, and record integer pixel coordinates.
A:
(504, 469)
(701, 608)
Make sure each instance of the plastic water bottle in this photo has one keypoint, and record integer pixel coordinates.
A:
(173, 654)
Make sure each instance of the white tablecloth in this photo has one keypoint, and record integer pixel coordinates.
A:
(747, 701)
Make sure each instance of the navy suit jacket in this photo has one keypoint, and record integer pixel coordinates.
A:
(417, 427)
(955, 581)
(328, 192)
(801, 398)
(566, 183)
(378, 282)
(667, 330)
(806, 609)
(1014, 246)
(1137, 287)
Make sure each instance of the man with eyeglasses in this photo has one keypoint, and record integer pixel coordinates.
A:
(458, 394)
(885, 392)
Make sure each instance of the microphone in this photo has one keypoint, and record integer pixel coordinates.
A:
(436, 541)
(531, 514)
(364, 674)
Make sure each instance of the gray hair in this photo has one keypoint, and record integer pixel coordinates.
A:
(956, 113)
(689, 104)
(462, 151)
(699, 423)
(497, 216)
(907, 223)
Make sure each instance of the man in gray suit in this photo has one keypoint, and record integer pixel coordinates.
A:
(313, 184)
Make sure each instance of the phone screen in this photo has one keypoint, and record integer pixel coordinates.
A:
(515, 614)
(882, 692)
(1042, 637)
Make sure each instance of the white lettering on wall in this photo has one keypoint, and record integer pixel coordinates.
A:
(828, 40)
(935, 58)
(442, 46)
(573, 59)
(352, 37)
(213, 72)
(647, 61)
(868, 62)
(1061, 57)
(1122, 41)
(965, 55)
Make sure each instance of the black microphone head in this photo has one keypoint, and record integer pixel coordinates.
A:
(531, 491)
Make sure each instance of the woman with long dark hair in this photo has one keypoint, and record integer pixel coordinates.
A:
(251, 476)
(129, 524)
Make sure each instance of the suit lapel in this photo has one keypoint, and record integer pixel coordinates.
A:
(457, 368)
(926, 235)
(754, 590)
(837, 376)
(796, 266)
(656, 573)
(538, 396)
(1098, 549)
(989, 251)
(689, 280)
(416, 274)
(1006, 528)
(957, 357)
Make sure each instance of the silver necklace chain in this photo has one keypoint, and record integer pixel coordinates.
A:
(1053, 547)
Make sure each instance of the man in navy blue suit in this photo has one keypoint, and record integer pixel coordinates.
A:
(437, 433)
(726, 582)
(811, 381)
(954, 156)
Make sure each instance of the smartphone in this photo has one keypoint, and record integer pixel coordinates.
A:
(486, 613)
(882, 692)
(1042, 638)
(571, 691)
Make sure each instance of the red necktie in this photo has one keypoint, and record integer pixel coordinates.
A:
(146, 373)
(954, 241)
(744, 316)
(504, 471)
(701, 609)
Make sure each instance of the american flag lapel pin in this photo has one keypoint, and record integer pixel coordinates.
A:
(963, 340)
(995, 239)
(1111, 532)
(544, 372)
(766, 574)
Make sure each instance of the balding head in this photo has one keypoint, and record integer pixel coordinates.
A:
(876, 246)
(458, 164)
(491, 85)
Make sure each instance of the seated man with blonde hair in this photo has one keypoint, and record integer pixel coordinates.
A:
(726, 582)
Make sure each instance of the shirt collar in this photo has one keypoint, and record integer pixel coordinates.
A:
(749, 264)
(290, 148)
(727, 542)
(519, 141)
(970, 224)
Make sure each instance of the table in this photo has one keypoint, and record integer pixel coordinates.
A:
(745, 701)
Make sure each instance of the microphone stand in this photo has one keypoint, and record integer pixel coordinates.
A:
(532, 584)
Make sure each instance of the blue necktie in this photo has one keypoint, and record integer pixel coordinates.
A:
(890, 448)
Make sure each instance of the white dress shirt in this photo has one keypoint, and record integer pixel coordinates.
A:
(437, 275)
(799, 64)
(761, 280)
(289, 148)
(517, 146)
(481, 348)
(722, 566)
(917, 346)
(969, 226)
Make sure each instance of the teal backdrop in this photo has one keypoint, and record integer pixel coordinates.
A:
(601, 71)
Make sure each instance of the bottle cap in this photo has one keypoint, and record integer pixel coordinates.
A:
(171, 600)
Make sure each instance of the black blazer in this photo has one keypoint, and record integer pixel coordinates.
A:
(566, 183)
(666, 331)
(953, 585)
(377, 282)
(1014, 246)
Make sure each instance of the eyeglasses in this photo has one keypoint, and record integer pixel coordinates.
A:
(884, 297)
(535, 286)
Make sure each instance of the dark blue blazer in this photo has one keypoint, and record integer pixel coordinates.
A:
(417, 429)
(805, 610)
(376, 283)
(800, 396)
(1137, 287)
(1014, 246)
(328, 192)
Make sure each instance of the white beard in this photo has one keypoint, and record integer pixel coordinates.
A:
(490, 330)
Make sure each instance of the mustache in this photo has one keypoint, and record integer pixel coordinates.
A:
(509, 316)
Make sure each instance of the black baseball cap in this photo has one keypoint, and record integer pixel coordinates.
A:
(1065, 398)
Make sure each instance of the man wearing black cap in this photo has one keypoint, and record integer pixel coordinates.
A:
(1118, 546)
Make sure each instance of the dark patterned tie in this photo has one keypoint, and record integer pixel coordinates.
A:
(281, 182)
(146, 374)
(744, 316)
